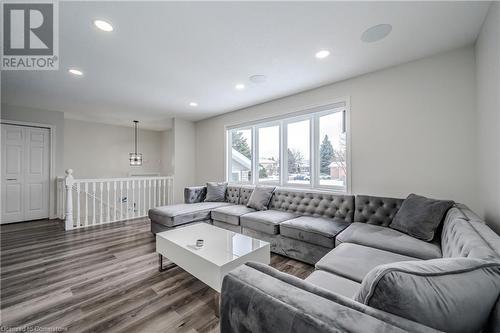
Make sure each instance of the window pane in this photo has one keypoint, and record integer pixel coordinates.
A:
(299, 166)
(269, 154)
(241, 155)
(332, 150)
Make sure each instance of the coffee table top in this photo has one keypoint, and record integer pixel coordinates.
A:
(220, 246)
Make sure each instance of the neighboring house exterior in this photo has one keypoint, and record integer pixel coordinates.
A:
(240, 167)
(270, 165)
(336, 171)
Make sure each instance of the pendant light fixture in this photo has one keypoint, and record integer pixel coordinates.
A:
(135, 158)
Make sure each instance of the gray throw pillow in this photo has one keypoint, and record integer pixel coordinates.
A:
(216, 192)
(420, 216)
(260, 197)
(448, 294)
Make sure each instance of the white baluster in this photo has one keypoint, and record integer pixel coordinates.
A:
(133, 198)
(139, 198)
(158, 193)
(78, 205)
(86, 187)
(107, 202)
(121, 201)
(150, 203)
(59, 196)
(170, 191)
(154, 192)
(128, 198)
(94, 188)
(101, 213)
(144, 192)
(111, 204)
(164, 202)
(68, 182)
(158, 200)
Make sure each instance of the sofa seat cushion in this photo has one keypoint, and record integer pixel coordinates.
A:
(334, 283)
(354, 261)
(314, 230)
(174, 215)
(231, 214)
(388, 239)
(266, 221)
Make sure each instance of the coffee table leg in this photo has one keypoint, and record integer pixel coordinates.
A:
(160, 264)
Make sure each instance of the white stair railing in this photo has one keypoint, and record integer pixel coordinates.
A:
(88, 202)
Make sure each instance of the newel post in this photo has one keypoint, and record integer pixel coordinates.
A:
(68, 182)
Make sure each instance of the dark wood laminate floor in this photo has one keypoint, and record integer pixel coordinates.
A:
(103, 279)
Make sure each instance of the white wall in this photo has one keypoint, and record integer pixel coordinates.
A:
(47, 117)
(488, 116)
(184, 157)
(95, 150)
(413, 128)
(167, 152)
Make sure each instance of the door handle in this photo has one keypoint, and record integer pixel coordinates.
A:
(11, 178)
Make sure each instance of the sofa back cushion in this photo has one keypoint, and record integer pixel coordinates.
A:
(448, 294)
(463, 237)
(376, 210)
(233, 194)
(311, 203)
(216, 192)
(260, 197)
(420, 217)
(245, 193)
(194, 194)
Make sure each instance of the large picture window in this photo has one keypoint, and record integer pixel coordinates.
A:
(305, 149)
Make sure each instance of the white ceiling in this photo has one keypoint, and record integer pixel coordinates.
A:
(163, 55)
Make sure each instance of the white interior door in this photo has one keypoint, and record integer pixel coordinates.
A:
(12, 173)
(25, 173)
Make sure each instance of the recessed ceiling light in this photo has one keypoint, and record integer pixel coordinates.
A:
(193, 104)
(258, 78)
(103, 25)
(322, 54)
(376, 33)
(239, 86)
(75, 71)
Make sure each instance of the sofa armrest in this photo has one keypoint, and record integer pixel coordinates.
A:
(258, 298)
(195, 194)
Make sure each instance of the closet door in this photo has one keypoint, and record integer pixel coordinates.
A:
(25, 173)
(36, 174)
(13, 141)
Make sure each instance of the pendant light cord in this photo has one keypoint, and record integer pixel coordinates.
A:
(135, 121)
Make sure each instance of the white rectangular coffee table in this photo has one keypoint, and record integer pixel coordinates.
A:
(222, 251)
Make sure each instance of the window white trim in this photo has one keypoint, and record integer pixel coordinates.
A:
(334, 104)
(312, 113)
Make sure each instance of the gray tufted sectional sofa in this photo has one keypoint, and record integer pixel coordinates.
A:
(298, 224)
(350, 243)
